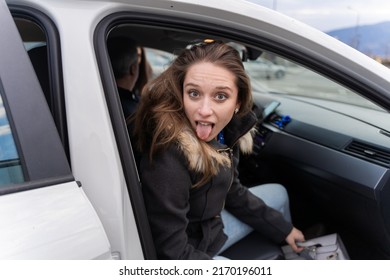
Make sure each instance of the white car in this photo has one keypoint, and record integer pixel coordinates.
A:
(69, 187)
(262, 68)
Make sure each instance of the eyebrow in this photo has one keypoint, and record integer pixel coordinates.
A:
(191, 85)
(219, 87)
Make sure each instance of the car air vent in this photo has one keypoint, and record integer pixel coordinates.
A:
(369, 152)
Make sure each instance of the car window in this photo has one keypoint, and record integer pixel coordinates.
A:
(272, 73)
(159, 60)
(30, 150)
(10, 166)
(41, 41)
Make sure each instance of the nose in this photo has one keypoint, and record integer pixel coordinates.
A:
(205, 108)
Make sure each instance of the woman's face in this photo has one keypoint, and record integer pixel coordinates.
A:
(210, 96)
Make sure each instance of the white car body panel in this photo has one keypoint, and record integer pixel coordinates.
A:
(108, 191)
(56, 222)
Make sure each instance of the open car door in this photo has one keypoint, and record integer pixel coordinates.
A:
(44, 213)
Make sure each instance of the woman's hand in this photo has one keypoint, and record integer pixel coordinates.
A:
(295, 236)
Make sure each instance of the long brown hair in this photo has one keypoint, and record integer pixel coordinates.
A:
(160, 119)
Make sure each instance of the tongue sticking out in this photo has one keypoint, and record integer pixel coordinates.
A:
(203, 131)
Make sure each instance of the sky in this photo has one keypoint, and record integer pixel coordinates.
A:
(332, 14)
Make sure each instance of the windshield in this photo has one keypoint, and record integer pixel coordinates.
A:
(277, 75)
(270, 73)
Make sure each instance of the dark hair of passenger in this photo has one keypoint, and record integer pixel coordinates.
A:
(123, 53)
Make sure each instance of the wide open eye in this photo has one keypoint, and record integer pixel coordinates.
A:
(193, 93)
(221, 96)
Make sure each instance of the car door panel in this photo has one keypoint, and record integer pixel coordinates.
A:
(55, 222)
(46, 214)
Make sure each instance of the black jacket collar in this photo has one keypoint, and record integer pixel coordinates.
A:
(238, 127)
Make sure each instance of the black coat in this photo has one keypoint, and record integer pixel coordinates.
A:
(185, 221)
(129, 101)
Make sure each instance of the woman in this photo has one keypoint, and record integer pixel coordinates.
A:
(192, 121)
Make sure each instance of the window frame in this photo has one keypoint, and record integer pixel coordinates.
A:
(43, 159)
(57, 96)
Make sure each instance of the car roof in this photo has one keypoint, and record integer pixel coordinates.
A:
(240, 15)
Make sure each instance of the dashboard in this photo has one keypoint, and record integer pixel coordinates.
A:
(329, 154)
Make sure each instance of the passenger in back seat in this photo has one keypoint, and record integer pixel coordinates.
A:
(125, 58)
(132, 71)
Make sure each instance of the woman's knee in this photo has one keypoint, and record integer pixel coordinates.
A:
(270, 192)
(275, 196)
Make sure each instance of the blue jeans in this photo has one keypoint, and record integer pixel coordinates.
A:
(274, 195)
